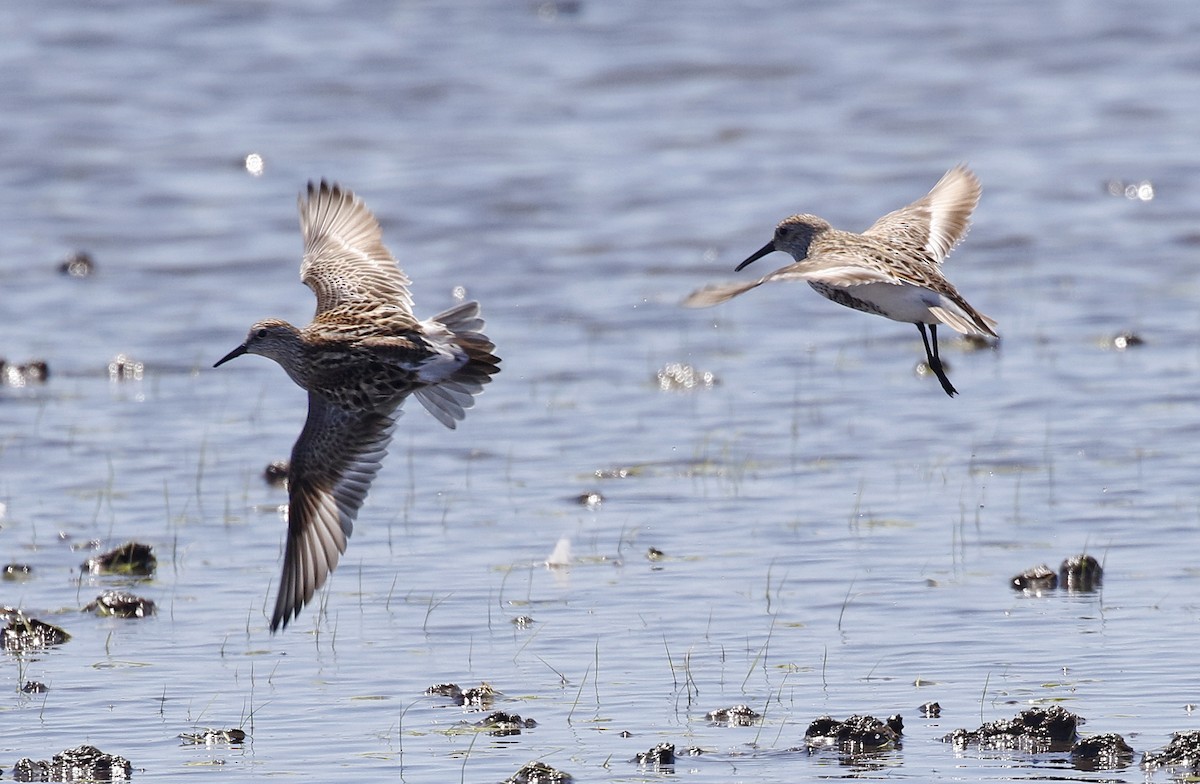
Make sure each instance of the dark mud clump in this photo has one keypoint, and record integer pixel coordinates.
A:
(1127, 340)
(121, 604)
(276, 474)
(479, 697)
(661, 756)
(15, 572)
(78, 264)
(32, 372)
(130, 559)
(931, 710)
(654, 554)
(1102, 752)
(1182, 752)
(502, 723)
(1035, 580)
(855, 735)
(85, 763)
(23, 633)
(591, 499)
(1035, 730)
(210, 737)
(34, 687)
(539, 773)
(737, 716)
(1080, 573)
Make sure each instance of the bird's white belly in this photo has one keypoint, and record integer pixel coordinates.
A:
(899, 302)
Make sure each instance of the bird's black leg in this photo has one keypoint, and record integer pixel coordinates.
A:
(935, 361)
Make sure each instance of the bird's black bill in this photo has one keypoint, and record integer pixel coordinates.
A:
(758, 254)
(237, 352)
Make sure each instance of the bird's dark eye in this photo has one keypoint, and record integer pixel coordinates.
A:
(262, 333)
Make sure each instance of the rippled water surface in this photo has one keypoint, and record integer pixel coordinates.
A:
(838, 535)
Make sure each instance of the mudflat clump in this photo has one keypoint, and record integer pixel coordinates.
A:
(211, 737)
(84, 763)
(737, 716)
(539, 773)
(1182, 752)
(276, 474)
(856, 734)
(1035, 580)
(1080, 573)
(661, 756)
(121, 604)
(22, 633)
(15, 572)
(479, 697)
(131, 559)
(502, 723)
(1108, 751)
(77, 264)
(1034, 730)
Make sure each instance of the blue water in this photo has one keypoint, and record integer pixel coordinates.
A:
(838, 533)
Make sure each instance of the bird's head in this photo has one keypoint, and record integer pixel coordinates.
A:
(272, 338)
(792, 236)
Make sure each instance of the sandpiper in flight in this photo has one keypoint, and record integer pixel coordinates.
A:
(892, 269)
(361, 356)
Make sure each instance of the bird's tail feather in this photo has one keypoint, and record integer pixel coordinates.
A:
(449, 398)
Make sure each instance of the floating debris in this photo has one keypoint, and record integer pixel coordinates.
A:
(33, 372)
(523, 621)
(1035, 580)
(661, 756)
(678, 377)
(931, 710)
(560, 557)
(855, 735)
(1134, 191)
(1080, 573)
(591, 499)
(654, 554)
(85, 763)
(1102, 752)
(210, 737)
(538, 773)
(1034, 731)
(15, 572)
(132, 558)
(123, 368)
(1182, 752)
(25, 634)
(1126, 340)
(737, 716)
(34, 687)
(120, 604)
(77, 264)
(276, 474)
(502, 723)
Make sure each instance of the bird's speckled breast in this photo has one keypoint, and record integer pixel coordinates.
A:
(842, 297)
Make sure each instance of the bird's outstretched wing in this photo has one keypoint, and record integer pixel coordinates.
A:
(938, 220)
(833, 269)
(333, 462)
(345, 261)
